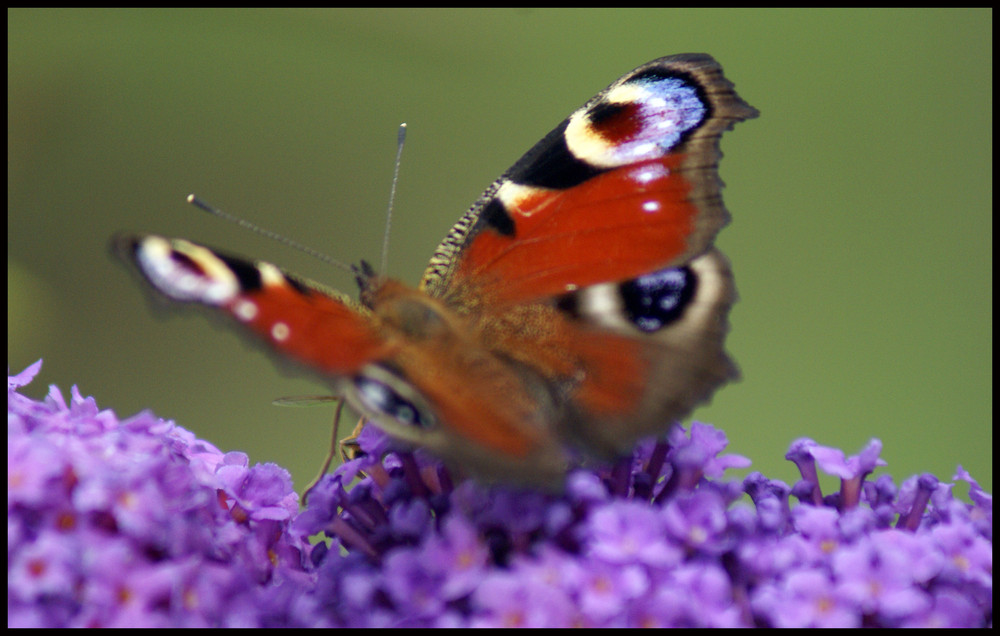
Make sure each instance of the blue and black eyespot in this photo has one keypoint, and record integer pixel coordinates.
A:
(380, 397)
(656, 300)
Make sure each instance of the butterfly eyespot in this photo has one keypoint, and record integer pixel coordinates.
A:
(186, 272)
(655, 300)
(381, 398)
(638, 120)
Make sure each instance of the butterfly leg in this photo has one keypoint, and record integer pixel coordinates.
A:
(335, 444)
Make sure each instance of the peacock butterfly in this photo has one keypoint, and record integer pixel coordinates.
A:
(577, 306)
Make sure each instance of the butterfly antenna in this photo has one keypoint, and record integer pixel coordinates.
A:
(400, 139)
(256, 229)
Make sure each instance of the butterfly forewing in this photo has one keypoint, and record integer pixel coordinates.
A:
(625, 186)
(322, 329)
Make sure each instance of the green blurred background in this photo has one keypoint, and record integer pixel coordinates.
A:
(861, 199)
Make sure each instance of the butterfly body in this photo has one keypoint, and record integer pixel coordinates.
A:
(577, 306)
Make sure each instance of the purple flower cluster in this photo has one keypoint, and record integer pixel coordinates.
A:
(657, 541)
(136, 522)
(195, 537)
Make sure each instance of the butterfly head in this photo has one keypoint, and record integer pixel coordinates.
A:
(368, 281)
